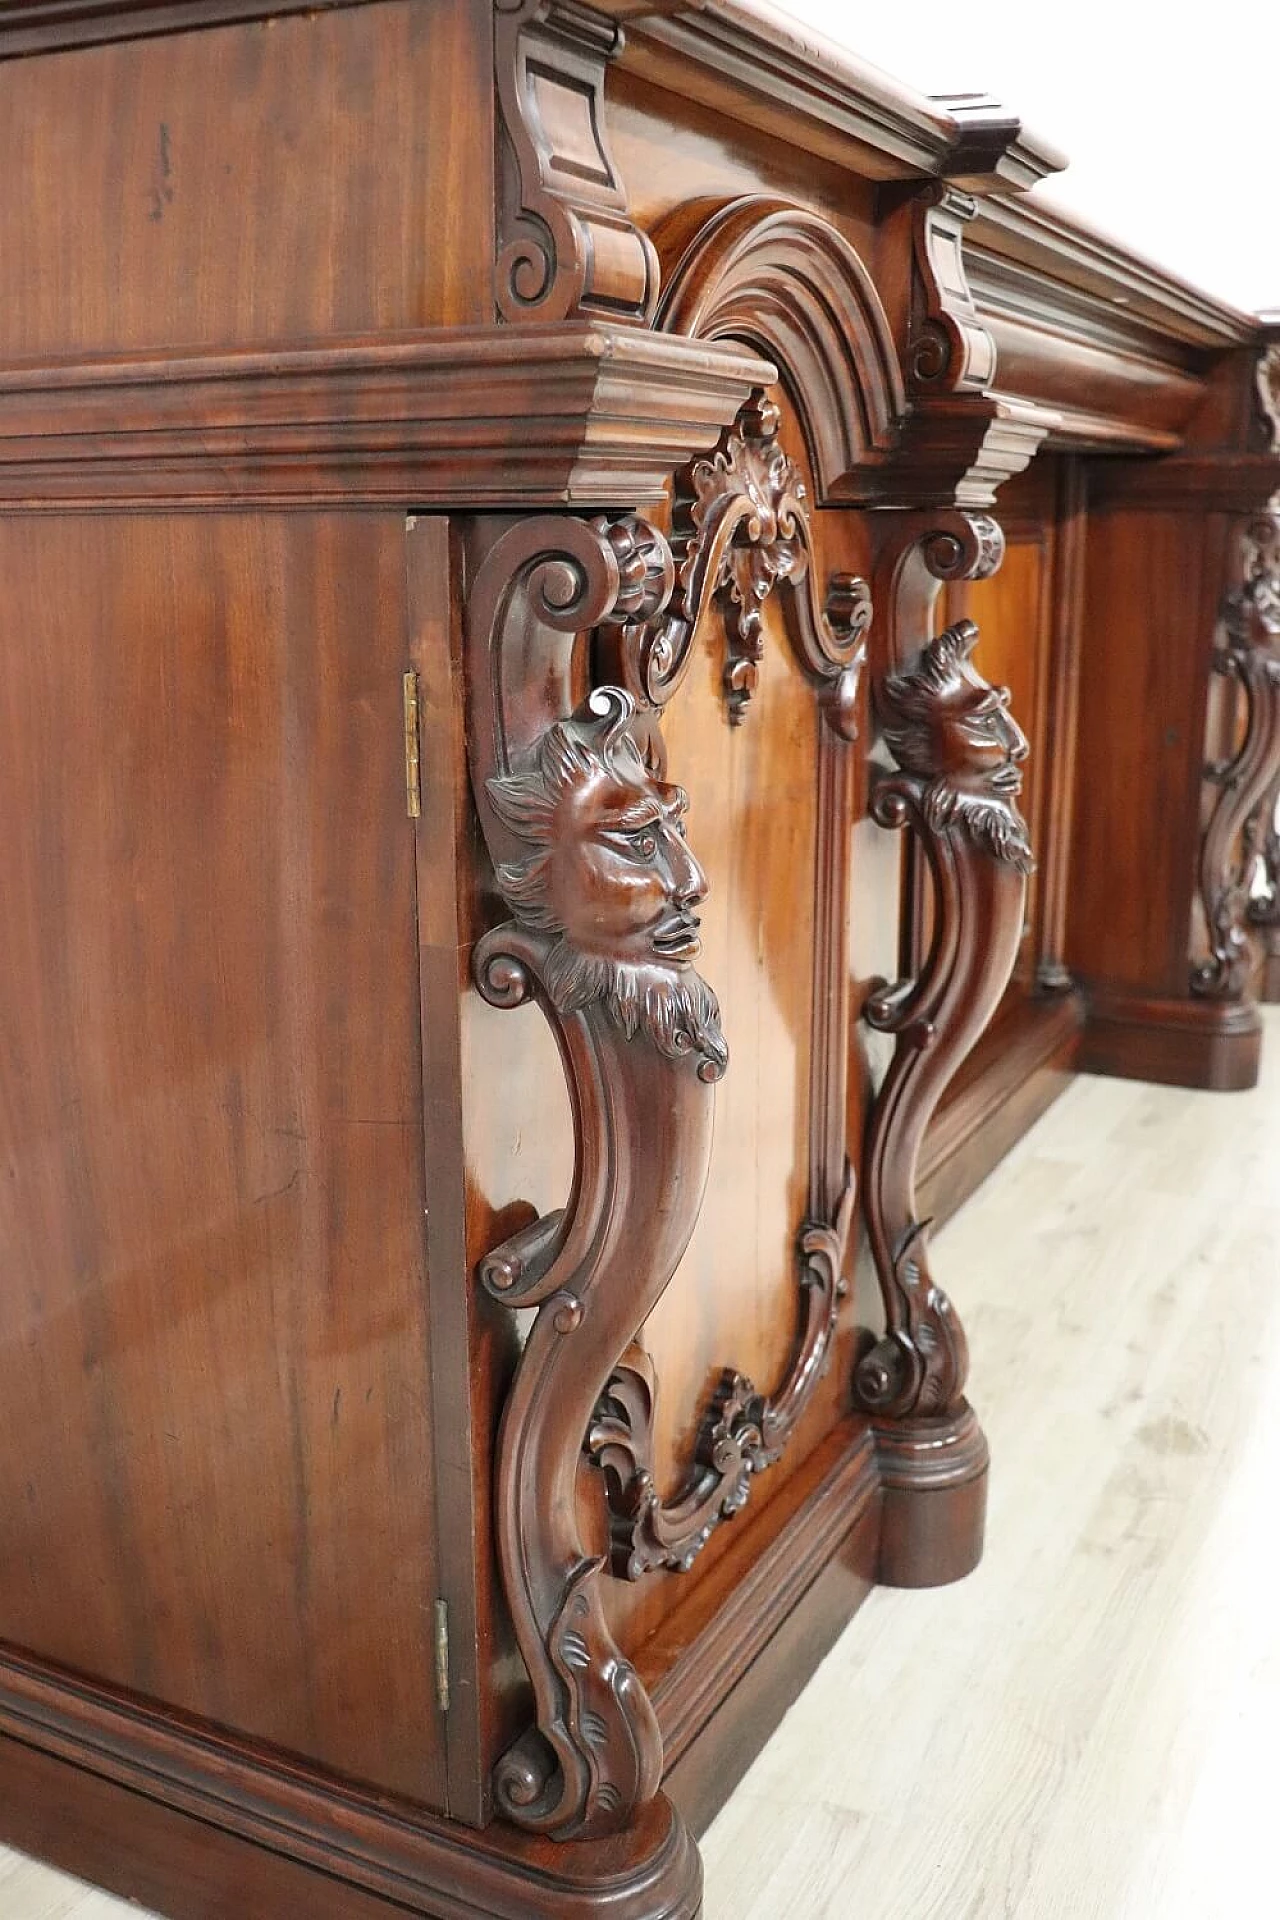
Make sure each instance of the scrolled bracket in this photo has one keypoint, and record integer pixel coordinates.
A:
(950, 349)
(741, 531)
(958, 754)
(568, 244)
(1241, 828)
(602, 891)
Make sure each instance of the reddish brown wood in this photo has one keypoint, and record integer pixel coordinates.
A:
(328, 1277)
(957, 753)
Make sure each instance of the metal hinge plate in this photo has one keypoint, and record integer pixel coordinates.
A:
(412, 761)
(442, 1655)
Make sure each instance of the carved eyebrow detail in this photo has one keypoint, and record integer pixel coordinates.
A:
(641, 813)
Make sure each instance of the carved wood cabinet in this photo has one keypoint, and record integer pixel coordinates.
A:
(620, 654)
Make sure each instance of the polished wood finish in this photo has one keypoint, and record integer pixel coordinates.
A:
(522, 623)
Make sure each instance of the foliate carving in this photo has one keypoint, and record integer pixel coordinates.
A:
(1240, 828)
(959, 753)
(567, 242)
(741, 530)
(743, 1431)
(589, 852)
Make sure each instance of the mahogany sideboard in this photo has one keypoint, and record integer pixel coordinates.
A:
(620, 653)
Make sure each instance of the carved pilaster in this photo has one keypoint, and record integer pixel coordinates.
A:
(567, 243)
(591, 860)
(1241, 827)
(957, 753)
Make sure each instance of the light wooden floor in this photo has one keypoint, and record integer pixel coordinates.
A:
(1086, 1729)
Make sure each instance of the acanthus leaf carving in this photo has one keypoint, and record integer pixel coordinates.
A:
(740, 531)
(568, 244)
(958, 754)
(1241, 830)
(743, 1431)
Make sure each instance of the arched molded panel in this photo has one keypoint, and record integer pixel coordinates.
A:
(784, 279)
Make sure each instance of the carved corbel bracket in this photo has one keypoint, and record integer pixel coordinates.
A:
(568, 245)
(741, 530)
(961, 438)
(1241, 828)
(957, 752)
(950, 350)
(591, 861)
(1267, 390)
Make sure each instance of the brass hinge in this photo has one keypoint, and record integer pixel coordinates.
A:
(412, 761)
(442, 1655)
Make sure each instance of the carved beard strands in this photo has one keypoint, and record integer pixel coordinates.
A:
(669, 1004)
(640, 1037)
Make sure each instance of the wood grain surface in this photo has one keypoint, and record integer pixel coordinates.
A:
(1108, 1674)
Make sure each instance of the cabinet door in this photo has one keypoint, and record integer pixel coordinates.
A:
(217, 1474)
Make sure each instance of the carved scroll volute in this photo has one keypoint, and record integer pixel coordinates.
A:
(1241, 828)
(567, 242)
(950, 349)
(957, 752)
(602, 888)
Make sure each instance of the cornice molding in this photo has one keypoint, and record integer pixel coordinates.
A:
(1065, 253)
(759, 66)
(45, 26)
(583, 414)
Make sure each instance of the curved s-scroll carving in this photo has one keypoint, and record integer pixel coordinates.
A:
(1242, 824)
(958, 752)
(569, 244)
(590, 857)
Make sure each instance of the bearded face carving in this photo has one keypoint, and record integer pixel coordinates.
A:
(611, 882)
(951, 731)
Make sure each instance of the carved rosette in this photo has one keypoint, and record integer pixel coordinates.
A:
(741, 530)
(958, 754)
(1241, 831)
(568, 244)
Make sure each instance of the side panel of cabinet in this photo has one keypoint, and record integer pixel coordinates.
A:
(274, 180)
(1150, 608)
(217, 1469)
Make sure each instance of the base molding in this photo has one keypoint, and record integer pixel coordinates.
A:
(198, 1825)
(1214, 1044)
(724, 1667)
